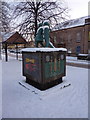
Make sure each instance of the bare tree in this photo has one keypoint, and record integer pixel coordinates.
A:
(4, 17)
(28, 14)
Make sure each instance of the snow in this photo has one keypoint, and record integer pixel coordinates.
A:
(71, 58)
(75, 60)
(46, 21)
(19, 102)
(43, 49)
(0, 89)
(46, 26)
(71, 23)
(43, 27)
(5, 35)
(83, 54)
(52, 44)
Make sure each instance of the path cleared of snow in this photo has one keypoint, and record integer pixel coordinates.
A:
(19, 102)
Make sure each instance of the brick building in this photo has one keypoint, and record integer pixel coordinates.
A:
(73, 34)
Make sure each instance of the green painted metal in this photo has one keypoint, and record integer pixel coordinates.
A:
(43, 35)
(39, 35)
(53, 69)
(44, 69)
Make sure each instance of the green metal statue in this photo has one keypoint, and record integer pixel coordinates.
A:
(39, 35)
(43, 35)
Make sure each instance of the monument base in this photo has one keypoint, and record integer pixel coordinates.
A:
(44, 86)
(44, 67)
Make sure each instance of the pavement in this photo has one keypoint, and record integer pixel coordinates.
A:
(73, 61)
(79, 65)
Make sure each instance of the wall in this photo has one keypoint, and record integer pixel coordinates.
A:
(74, 39)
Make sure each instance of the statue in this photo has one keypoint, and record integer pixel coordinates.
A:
(43, 35)
(39, 35)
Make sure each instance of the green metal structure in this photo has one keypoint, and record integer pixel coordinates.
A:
(44, 67)
(43, 35)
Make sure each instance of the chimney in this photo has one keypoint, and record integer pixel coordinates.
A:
(87, 21)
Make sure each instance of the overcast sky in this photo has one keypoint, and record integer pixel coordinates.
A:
(79, 8)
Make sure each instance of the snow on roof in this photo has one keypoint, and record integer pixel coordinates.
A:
(5, 35)
(43, 49)
(71, 23)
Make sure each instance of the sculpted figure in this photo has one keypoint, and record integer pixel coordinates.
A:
(43, 34)
(39, 35)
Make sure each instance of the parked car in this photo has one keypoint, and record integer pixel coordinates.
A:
(14, 51)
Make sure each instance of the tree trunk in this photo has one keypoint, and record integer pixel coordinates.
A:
(36, 21)
(6, 55)
(35, 26)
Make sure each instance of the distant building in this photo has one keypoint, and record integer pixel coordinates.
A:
(13, 39)
(73, 34)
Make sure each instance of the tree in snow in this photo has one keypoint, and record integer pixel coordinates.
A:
(30, 13)
(4, 17)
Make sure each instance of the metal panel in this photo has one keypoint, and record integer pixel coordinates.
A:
(54, 66)
(32, 66)
(44, 68)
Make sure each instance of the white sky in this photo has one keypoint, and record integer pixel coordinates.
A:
(78, 8)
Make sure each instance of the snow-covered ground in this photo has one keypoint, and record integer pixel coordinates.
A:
(0, 89)
(70, 59)
(21, 102)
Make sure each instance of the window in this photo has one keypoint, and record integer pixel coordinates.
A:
(78, 49)
(69, 38)
(55, 39)
(89, 35)
(61, 39)
(69, 50)
(78, 39)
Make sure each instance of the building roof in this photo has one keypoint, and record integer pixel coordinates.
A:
(71, 23)
(13, 38)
